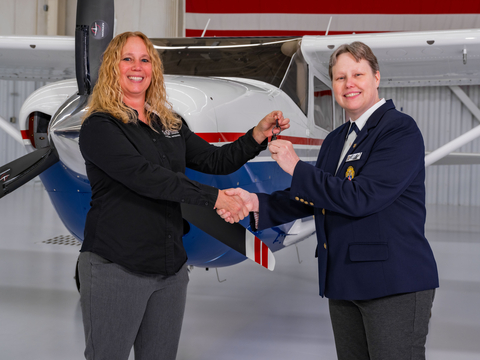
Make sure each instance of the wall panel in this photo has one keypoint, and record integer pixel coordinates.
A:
(441, 117)
(155, 18)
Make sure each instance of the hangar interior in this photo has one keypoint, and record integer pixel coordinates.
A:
(243, 312)
(253, 314)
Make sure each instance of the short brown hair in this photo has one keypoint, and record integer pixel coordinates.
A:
(359, 51)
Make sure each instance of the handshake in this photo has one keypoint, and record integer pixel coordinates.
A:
(234, 205)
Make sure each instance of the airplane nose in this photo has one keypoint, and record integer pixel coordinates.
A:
(64, 132)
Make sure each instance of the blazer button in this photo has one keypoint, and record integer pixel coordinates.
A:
(297, 198)
(302, 200)
(325, 245)
(311, 203)
(323, 211)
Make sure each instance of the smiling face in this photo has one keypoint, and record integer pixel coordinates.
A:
(135, 71)
(355, 85)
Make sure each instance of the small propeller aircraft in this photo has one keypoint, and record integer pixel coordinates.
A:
(220, 87)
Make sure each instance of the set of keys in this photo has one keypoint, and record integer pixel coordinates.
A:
(274, 134)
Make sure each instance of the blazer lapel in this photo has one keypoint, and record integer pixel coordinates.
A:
(335, 150)
(371, 123)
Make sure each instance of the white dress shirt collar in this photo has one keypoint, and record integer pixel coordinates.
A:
(360, 122)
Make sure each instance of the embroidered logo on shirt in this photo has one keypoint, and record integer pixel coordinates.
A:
(171, 133)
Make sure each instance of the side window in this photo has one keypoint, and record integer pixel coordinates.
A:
(322, 105)
(339, 115)
(295, 83)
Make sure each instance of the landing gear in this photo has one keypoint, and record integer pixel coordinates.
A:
(76, 277)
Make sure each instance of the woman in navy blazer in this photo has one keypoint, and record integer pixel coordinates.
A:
(368, 197)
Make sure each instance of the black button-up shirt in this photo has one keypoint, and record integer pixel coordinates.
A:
(138, 181)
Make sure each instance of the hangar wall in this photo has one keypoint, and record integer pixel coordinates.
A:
(442, 117)
(156, 18)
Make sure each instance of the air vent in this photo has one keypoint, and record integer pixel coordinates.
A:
(68, 240)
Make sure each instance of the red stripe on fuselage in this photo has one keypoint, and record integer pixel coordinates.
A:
(264, 255)
(24, 134)
(257, 250)
(230, 137)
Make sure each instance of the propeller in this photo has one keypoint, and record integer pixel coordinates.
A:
(232, 235)
(20, 171)
(93, 33)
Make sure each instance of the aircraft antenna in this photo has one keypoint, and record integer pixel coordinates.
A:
(328, 27)
(206, 26)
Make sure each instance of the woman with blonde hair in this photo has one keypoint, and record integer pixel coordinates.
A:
(132, 265)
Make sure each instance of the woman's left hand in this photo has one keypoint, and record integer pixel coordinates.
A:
(264, 128)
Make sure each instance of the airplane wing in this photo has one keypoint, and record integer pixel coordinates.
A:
(406, 58)
(42, 58)
(436, 58)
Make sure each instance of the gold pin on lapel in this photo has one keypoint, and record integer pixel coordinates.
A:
(350, 174)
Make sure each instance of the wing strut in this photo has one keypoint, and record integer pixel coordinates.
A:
(463, 139)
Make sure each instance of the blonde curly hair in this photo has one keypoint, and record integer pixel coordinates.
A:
(107, 94)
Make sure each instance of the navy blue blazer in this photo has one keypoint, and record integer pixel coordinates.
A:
(370, 216)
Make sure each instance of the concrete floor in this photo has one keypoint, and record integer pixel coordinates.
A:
(255, 314)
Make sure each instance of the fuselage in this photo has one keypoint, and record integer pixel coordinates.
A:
(217, 109)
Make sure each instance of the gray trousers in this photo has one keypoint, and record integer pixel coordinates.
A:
(389, 328)
(122, 309)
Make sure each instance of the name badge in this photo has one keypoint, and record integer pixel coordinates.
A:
(354, 157)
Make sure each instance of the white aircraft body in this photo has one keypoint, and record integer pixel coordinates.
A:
(221, 88)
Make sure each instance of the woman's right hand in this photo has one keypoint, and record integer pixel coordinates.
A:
(231, 204)
(249, 200)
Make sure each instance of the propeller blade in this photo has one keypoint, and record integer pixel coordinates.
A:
(93, 33)
(20, 171)
(232, 235)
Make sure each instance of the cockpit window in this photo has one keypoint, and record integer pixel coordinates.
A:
(264, 59)
(327, 114)
(295, 83)
(322, 105)
(339, 115)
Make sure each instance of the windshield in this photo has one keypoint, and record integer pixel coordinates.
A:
(264, 59)
(295, 83)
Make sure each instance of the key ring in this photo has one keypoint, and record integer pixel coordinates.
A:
(274, 136)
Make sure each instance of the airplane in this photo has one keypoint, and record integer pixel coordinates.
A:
(220, 87)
